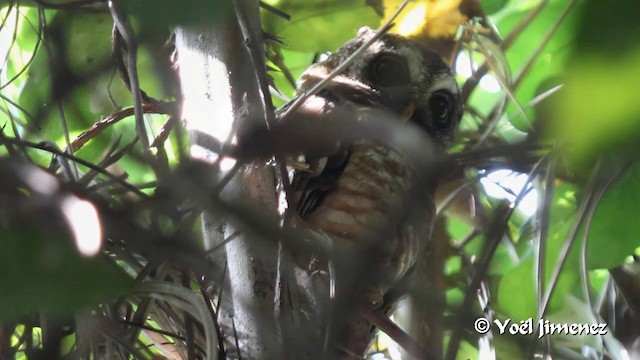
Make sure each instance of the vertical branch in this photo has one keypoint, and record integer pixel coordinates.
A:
(132, 67)
(222, 97)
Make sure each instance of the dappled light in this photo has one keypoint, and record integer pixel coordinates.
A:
(84, 222)
(319, 179)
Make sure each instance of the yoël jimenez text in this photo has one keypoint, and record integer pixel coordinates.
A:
(545, 327)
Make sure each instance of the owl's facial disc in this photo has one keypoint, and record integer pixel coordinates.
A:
(417, 85)
(397, 74)
(389, 70)
(439, 108)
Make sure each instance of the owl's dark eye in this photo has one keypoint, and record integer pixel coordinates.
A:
(389, 70)
(440, 106)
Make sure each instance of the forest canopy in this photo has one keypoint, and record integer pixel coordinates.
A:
(103, 248)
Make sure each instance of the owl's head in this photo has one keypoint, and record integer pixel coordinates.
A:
(397, 74)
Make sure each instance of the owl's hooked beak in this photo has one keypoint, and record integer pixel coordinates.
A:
(408, 111)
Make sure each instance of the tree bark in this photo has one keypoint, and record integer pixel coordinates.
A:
(222, 95)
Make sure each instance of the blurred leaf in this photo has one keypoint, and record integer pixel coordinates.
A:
(455, 297)
(159, 15)
(521, 279)
(502, 262)
(506, 348)
(492, 6)
(81, 50)
(321, 25)
(605, 26)
(613, 235)
(611, 239)
(575, 310)
(426, 19)
(598, 109)
(296, 62)
(551, 61)
(466, 351)
(40, 269)
(377, 5)
(595, 112)
(457, 229)
(79, 53)
(91, 33)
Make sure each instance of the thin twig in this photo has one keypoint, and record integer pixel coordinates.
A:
(132, 52)
(33, 53)
(542, 231)
(382, 322)
(110, 160)
(80, 161)
(107, 121)
(493, 236)
(594, 191)
(584, 270)
(454, 195)
(590, 190)
(23, 110)
(63, 119)
(473, 81)
(340, 68)
(165, 131)
(14, 33)
(545, 40)
(275, 11)
(222, 353)
(257, 55)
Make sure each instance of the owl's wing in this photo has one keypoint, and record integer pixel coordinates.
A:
(310, 186)
(322, 173)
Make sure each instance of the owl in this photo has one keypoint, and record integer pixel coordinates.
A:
(366, 194)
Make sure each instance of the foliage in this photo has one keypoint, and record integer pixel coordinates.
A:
(558, 105)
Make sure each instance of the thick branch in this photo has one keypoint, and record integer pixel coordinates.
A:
(222, 95)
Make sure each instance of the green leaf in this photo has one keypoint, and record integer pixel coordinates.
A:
(296, 62)
(80, 56)
(615, 227)
(159, 15)
(597, 114)
(521, 279)
(507, 348)
(40, 269)
(322, 25)
(549, 64)
(492, 6)
(597, 111)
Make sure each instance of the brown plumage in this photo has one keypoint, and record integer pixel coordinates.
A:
(361, 202)
(367, 196)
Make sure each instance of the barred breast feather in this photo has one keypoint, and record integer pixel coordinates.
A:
(361, 198)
